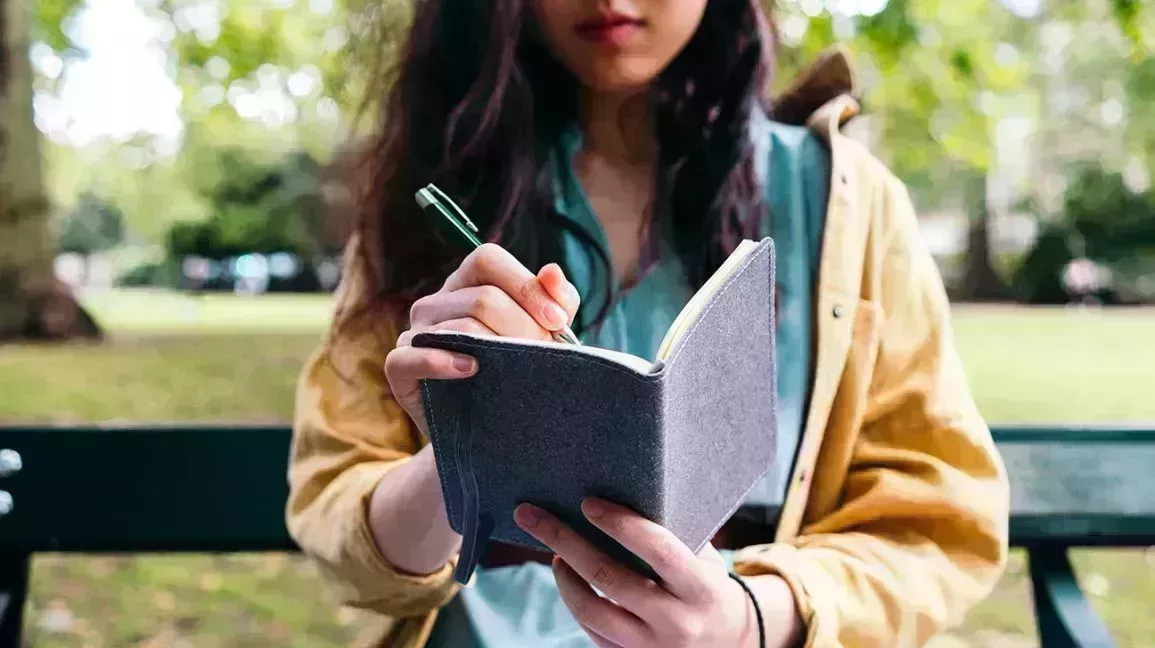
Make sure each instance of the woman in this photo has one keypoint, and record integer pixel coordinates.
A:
(620, 149)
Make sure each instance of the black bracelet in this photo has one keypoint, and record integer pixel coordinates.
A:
(757, 610)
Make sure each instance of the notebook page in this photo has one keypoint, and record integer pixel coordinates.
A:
(698, 301)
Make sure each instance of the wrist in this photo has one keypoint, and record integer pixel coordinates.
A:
(783, 626)
(753, 633)
(407, 517)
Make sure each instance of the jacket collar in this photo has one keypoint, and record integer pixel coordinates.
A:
(828, 87)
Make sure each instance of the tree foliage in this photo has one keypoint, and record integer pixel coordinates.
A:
(94, 225)
(258, 208)
(942, 82)
(50, 21)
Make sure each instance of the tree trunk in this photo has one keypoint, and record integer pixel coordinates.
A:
(980, 280)
(33, 304)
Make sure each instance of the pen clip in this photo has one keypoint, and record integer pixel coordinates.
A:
(447, 202)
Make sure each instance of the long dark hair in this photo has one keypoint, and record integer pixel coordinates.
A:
(478, 106)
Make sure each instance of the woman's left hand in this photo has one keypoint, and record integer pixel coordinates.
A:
(696, 604)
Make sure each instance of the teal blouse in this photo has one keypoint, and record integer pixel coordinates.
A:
(519, 605)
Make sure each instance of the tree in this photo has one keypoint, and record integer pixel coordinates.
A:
(931, 69)
(258, 207)
(94, 225)
(940, 77)
(32, 302)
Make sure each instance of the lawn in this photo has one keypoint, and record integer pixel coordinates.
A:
(173, 357)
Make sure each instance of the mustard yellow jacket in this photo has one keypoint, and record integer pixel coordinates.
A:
(895, 520)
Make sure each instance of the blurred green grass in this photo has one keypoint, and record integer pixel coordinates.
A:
(158, 311)
(218, 357)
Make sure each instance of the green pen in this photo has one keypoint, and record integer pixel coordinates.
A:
(434, 202)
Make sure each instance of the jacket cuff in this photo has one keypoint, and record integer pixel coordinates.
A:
(422, 592)
(812, 587)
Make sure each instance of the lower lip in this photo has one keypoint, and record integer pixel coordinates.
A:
(609, 34)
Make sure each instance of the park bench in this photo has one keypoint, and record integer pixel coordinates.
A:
(222, 489)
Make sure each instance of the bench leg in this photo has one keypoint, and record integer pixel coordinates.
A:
(13, 589)
(1066, 619)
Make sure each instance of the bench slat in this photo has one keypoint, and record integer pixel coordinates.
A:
(147, 489)
(222, 488)
(1084, 487)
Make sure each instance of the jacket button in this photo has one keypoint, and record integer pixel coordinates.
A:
(836, 311)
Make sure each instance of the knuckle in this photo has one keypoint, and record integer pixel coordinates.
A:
(665, 553)
(404, 340)
(426, 364)
(687, 628)
(487, 302)
(604, 576)
(486, 256)
(418, 310)
(527, 290)
(391, 365)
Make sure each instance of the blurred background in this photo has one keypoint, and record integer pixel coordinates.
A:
(182, 179)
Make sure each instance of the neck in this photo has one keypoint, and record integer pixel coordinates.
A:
(618, 126)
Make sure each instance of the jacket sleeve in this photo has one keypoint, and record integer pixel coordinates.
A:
(920, 531)
(348, 432)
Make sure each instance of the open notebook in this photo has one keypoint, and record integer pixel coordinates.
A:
(680, 438)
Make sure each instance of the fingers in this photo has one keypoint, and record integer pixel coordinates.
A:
(597, 615)
(599, 641)
(492, 265)
(672, 560)
(463, 325)
(553, 280)
(409, 364)
(634, 592)
(489, 305)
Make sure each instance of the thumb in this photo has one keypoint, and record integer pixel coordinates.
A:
(709, 554)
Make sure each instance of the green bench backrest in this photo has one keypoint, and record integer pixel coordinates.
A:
(222, 488)
(1085, 486)
(160, 489)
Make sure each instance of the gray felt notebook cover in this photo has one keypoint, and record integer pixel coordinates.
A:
(681, 442)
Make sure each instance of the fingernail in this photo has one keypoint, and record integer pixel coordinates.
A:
(464, 364)
(555, 315)
(573, 292)
(527, 516)
(593, 508)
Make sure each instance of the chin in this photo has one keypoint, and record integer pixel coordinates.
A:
(619, 76)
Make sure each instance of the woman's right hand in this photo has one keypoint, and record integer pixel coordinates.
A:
(491, 293)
